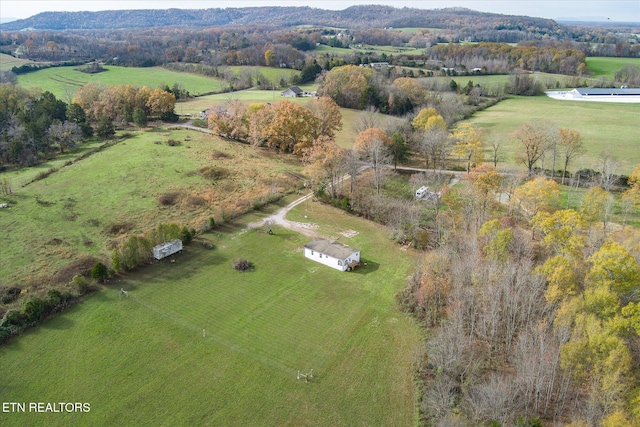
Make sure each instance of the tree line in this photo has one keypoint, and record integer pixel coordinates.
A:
(36, 125)
(532, 323)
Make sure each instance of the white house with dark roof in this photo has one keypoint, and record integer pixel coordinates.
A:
(331, 253)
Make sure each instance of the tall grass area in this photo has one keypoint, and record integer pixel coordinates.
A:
(604, 127)
(72, 212)
(63, 82)
(144, 360)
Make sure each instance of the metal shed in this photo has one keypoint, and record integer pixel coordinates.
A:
(163, 250)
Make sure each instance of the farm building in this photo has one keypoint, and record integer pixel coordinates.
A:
(623, 94)
(332, 254)
(168, 248)
(292, 92)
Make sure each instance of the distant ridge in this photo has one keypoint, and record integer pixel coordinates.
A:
(353, 17)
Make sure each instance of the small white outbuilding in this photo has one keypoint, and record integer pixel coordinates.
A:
(332, 254)
(163, 250)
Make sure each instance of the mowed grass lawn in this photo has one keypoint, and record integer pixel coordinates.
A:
(604, 127)
(63, 82)
(143, 360)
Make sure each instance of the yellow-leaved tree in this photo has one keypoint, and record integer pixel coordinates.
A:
(468, 143)
(538, 194)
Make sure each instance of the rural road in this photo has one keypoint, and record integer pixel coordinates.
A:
(278, 219)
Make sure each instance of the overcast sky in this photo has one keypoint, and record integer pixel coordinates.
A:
(618, 10)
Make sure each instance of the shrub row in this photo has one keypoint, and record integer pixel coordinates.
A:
(137, 249)
(32, 311)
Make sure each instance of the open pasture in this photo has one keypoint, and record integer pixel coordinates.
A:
(7, 62)
(271, 73)
(389, 50)
(63, 82)
(606, 67)
(500, 80)
(145, 359)
(604, 126)
(131, 186)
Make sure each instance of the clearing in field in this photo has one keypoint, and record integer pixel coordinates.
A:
(199, 343)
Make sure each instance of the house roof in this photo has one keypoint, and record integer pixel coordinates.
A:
(332, 248)
(295, 89)
(601, 92)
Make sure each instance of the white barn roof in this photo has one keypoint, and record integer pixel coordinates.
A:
(331, 248)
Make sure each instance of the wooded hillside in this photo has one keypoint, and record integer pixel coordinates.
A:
(353, 17)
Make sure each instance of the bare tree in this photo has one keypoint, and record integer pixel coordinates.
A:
(496, 148)
(352, 166)
(377, 155)
(367, 119)
(495, 399)
(607, 167)
(571, 142)
(433, 145)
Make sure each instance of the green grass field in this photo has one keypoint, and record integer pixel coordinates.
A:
(64, 216)
(603, 126)
(143, 360)
(7, 62)
(271, 73)
(63, 82)
(499, 80)
(606, 67)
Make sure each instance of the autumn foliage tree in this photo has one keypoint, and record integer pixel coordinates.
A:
(432, 137)
(539, 194)
(535, 139)
(486, 182)
(230, 121)
(324, 159)
(285, 126)
(631, 196)
(328, 115)
(572, 146)
(372, 145)
(347, 85)
(468, 143)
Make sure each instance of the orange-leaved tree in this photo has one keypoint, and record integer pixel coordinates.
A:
(572, 145)
(328, 114)
(325, 160)
(285, 126)
(535, 139)
(373, 146)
